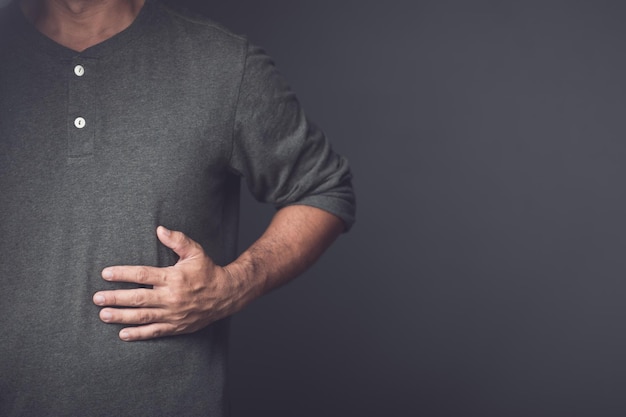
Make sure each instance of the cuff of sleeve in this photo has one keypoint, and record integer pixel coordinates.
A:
(339, 206)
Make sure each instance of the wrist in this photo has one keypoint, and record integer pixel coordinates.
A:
(246, 280)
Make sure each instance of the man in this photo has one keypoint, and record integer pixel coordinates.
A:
(119, 119)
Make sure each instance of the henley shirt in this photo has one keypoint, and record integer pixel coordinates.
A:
(154, 126)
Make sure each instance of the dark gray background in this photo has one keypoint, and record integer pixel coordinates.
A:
(485, 275)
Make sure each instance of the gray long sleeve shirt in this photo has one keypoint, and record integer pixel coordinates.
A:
(154, 126)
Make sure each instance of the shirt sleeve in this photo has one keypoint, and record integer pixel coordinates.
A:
(285, 158)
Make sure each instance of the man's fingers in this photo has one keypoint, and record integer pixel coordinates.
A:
(145, 275)
(131, 315)
(139, 297)
(150, 331)
(179, 243)
(162, 310)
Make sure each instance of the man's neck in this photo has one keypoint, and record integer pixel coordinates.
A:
(80, 24)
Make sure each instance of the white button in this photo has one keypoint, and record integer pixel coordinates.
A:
(79, 70)
(79, 122)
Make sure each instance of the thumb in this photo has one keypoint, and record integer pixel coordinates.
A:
(179, 243)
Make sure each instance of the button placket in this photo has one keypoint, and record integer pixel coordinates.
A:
(81, 110)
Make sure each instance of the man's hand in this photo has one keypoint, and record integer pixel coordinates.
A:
(195, 292)
(184, 298)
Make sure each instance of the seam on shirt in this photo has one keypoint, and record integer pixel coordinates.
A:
(237, 100)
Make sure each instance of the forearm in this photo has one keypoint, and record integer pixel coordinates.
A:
(294, 240)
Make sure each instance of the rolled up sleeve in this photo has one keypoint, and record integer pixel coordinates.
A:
(284, 157)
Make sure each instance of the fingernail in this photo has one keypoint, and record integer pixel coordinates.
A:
(166, 231)
(106, 316)
(98, 299)
(107, 274)
(124, 335)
